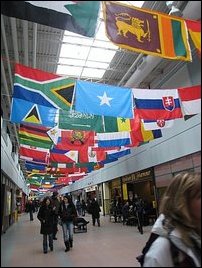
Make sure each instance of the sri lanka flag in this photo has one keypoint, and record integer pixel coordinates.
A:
(146, 31)
(157, 104)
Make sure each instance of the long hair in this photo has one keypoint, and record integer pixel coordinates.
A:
(45, 199)
(174, 205)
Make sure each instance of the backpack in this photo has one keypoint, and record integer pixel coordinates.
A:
(152, 238)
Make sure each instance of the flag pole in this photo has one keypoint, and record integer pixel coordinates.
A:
(73, 97)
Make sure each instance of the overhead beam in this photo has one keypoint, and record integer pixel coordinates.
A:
(25, 38)
(6, 49)
(15, 38)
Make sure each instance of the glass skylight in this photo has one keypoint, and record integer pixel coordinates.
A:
(88, 58)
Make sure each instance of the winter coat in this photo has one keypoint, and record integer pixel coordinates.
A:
(95, 209)
(67, 213)
(30, 207)
(46, 217)
(159, 254)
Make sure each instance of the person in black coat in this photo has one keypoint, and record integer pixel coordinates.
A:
(67, 213)
(95, 211)
(31, 209)
(46, 217)
(56, 204)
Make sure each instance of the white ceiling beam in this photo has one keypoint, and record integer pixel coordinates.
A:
(26, 44)
(3, 75)
(6, 49)
(15, 38)
(34, 44)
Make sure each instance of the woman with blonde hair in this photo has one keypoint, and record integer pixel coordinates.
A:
(179, 225)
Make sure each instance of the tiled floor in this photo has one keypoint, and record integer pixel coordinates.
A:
(111, 245)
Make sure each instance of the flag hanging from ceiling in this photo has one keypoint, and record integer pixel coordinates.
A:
(63, 156)
(157, 124)
(43, 88)
(75, 16)
(118, 124)
(194, 28)
(113, 139)
(23, 111)
(157, 104)
(145, 31)
(75, 139)
(102, 99)
(191, 99)
(80, 121)
(34, 136)
(34, 152)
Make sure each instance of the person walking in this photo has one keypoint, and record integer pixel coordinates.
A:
(46, 217)
(56, 205)
(30, 209)
(95, 211)
(67, 213)
(178, 228)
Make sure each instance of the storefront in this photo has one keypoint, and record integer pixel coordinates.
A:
(142, 184)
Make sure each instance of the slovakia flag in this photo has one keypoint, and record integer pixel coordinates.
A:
(157, 104)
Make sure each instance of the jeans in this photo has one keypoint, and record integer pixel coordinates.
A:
(47, 237)
(67, 228)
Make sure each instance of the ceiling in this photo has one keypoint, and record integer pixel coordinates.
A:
(40, 46)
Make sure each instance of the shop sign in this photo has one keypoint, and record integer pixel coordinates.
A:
(138, 176)
(90, 188)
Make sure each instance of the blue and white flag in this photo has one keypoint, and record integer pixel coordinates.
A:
(114, 139)
(101, 99)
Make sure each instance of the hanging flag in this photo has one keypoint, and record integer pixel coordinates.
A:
(33, 134)
(29, 167)
(157, 104)
(44, 88)
(75, 16)
(145, 31)
(116, 154)
(76, 139)
(140, 134)
(90, 155)
(113, 139)
(63, 156)
(103, 99)
(70, 165)
(157, 124)
(28, 112)
(35, 143)
(118, 124)
(34, 152)
(54, 133)
(80, 121)
(190, 99)
(194, 28)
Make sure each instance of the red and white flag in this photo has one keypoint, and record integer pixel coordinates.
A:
(190, 99)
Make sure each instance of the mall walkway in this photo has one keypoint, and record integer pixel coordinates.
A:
(111, 245)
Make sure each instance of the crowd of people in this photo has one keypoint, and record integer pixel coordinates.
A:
(175, 239)
(54, 210)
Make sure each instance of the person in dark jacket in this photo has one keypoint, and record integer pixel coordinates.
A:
(95, 211)
(46, 217)
(67, 214)
(56, 204)
(31, 209)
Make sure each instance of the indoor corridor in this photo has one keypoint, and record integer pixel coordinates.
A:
(111, 245)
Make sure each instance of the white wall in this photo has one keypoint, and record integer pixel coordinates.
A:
(9, 165)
